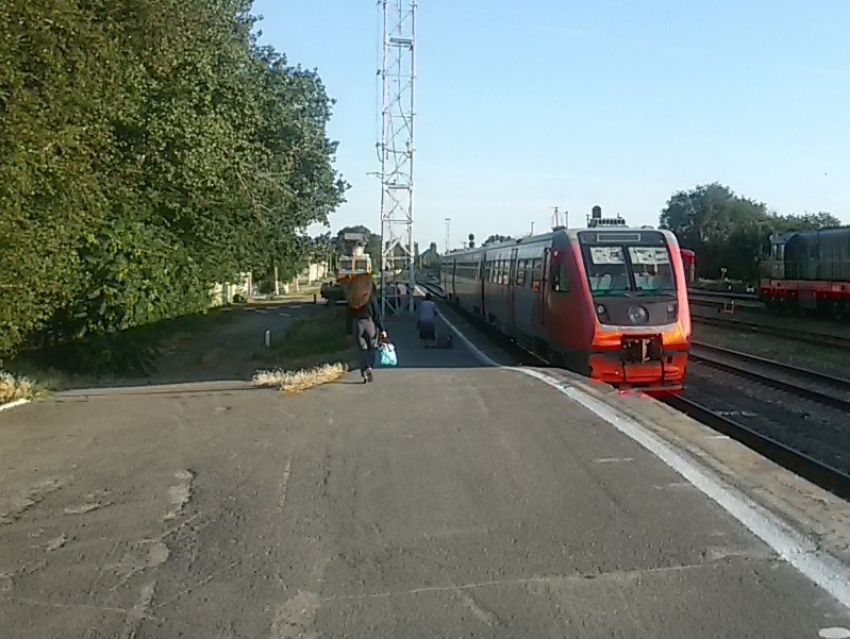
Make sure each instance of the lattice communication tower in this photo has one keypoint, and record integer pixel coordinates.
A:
(396, 151)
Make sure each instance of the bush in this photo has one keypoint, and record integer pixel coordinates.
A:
(13, 388)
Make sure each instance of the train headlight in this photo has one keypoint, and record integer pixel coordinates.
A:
(638, 315)
(600, 310)
(672, 310)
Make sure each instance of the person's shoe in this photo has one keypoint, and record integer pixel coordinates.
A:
(369, 378)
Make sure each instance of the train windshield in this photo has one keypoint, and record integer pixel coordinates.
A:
(628, 270)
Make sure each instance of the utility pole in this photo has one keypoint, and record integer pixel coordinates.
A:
(448, 227)
(397, 148)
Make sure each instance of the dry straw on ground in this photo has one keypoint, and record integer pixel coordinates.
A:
(301, 380)
(12, 388)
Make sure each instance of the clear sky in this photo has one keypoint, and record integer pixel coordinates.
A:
(523, 106)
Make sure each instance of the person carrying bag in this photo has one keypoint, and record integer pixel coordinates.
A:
(365, 326)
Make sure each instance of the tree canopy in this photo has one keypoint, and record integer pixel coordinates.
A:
(148, 149)
(496, 239)
(729, 231)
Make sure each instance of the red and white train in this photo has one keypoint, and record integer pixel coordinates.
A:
(610, 303)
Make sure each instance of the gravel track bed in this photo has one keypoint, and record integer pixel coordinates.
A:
(819, 431)
(822, 359)
(790, 322)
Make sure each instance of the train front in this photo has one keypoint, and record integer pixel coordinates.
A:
(637, 290)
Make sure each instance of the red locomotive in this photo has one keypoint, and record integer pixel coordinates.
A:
(689, 261)
(808, 270)
(607, 301)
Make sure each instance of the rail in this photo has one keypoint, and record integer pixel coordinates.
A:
(808, 337)
(800, 387)
(823, 475)
(729, 295)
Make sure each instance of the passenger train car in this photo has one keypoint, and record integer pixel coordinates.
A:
(610, 303)
(808, 270)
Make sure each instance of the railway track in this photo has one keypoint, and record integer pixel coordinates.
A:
(817, 472)
(808, 337)
(730, 295)
(802, 382)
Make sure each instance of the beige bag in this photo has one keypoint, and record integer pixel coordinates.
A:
(358, 291)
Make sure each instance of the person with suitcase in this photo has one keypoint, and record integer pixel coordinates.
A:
(427, 321)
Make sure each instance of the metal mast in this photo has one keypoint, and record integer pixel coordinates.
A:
(396, 148)
(448, 228)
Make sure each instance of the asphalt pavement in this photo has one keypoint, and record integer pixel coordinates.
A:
(444, 500)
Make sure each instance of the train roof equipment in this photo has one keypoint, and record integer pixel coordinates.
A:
(595, 219)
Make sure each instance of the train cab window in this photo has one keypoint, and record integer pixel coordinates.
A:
(652, 269)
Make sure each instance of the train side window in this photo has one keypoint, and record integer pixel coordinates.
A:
(560, 278)
(520, 273)
(535, 274)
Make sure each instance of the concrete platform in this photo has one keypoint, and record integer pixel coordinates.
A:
(447, 499)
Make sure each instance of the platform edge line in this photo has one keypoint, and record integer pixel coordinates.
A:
(481, 355)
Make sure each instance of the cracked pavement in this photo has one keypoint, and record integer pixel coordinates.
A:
(443, 500)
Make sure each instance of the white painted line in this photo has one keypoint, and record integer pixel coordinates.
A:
(801, 552)
(482, 357)
(14, 404)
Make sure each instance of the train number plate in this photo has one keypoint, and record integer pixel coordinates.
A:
(639, 350)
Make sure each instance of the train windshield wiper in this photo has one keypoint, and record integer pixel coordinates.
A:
(656, 292)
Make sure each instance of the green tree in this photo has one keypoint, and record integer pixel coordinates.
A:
(724, 229)
(729, 231)
(148, 149)
(496, 239)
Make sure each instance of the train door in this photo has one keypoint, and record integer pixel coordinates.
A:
(512, 293)
(541, 292)
(454, 286)
(482, 274)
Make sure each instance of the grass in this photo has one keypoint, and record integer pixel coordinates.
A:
(301, 380)
(124, 354)
(314, 351)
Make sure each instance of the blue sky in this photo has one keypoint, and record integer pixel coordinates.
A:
(523, 106)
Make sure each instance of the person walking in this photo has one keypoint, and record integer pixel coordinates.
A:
(427, 319)
(366, 326)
